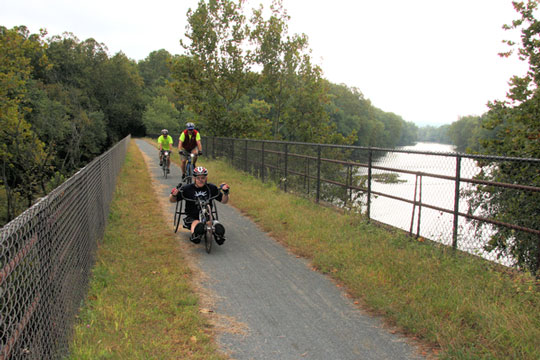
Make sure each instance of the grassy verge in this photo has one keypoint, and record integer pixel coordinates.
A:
(141, 304)
(464, 306)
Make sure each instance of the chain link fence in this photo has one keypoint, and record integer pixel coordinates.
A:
(437, 196)
(46, 255)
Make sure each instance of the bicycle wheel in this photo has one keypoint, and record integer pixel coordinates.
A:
(177, 215)
(209, 232)
(189, 173)
(208, 238)
(164, 167)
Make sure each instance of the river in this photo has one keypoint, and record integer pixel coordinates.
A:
(434, 225)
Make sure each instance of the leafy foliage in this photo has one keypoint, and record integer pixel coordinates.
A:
(220, 65)
(354, 114)
(288, 99)
(434, 134)
(515, 131)
(69, 99)
(465, 133)
(160, 114)
(22, 156)
(62, 102)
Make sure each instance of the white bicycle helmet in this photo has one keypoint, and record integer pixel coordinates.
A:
(200, 170)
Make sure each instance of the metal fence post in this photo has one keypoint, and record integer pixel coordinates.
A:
(246, 156)
(262, 162)
(456, 202)
(318, 172)
(349, 185)
(213, 147)
(232, 152)
(285, 170)
(370, 164)
(306, 177)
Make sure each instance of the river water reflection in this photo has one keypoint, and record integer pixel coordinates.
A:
(429, 223)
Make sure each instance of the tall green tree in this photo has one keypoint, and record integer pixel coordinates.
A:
(66, 112)
(155, 69)
(516, 126)
(307, 119)
(409, 134)
(119, 92)
(156, 72)
(217, 66)
(280, 55)
(21, 152)
(289, 82)
(464, 133)
(350, 111)
(162, 114)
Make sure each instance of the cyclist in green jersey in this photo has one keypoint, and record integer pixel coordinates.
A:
(165, 142)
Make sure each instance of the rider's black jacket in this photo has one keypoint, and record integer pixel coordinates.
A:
(192, 192)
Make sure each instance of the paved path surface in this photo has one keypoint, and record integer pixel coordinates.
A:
(272, 305)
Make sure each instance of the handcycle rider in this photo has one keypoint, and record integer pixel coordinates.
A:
(165, 142)
(206, 190)
(190, 142)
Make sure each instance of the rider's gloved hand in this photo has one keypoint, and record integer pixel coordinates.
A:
(200, 153)
(176, 190)
(225, 188)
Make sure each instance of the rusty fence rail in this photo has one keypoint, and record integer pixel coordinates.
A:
(46, 255)
(429, 194)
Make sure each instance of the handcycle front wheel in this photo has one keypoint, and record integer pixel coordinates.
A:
(177, 215)
(208, 238)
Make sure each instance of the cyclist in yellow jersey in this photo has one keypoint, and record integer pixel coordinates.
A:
(165, 142)
(190, 142)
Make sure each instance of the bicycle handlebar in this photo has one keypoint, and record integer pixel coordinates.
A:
(185, 153)
(202, 202)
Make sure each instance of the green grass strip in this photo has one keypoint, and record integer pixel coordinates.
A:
(461, 306)
(141, 303)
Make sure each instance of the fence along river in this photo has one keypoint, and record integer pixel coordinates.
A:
(434, 225)
(420, 188)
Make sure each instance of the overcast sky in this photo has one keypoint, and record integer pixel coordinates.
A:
(429, 61)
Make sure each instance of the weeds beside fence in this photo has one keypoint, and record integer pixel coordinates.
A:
(428, 194)
(46, 255)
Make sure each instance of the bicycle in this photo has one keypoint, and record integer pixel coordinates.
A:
(165, 162)
(207, 215)
(189, 166)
